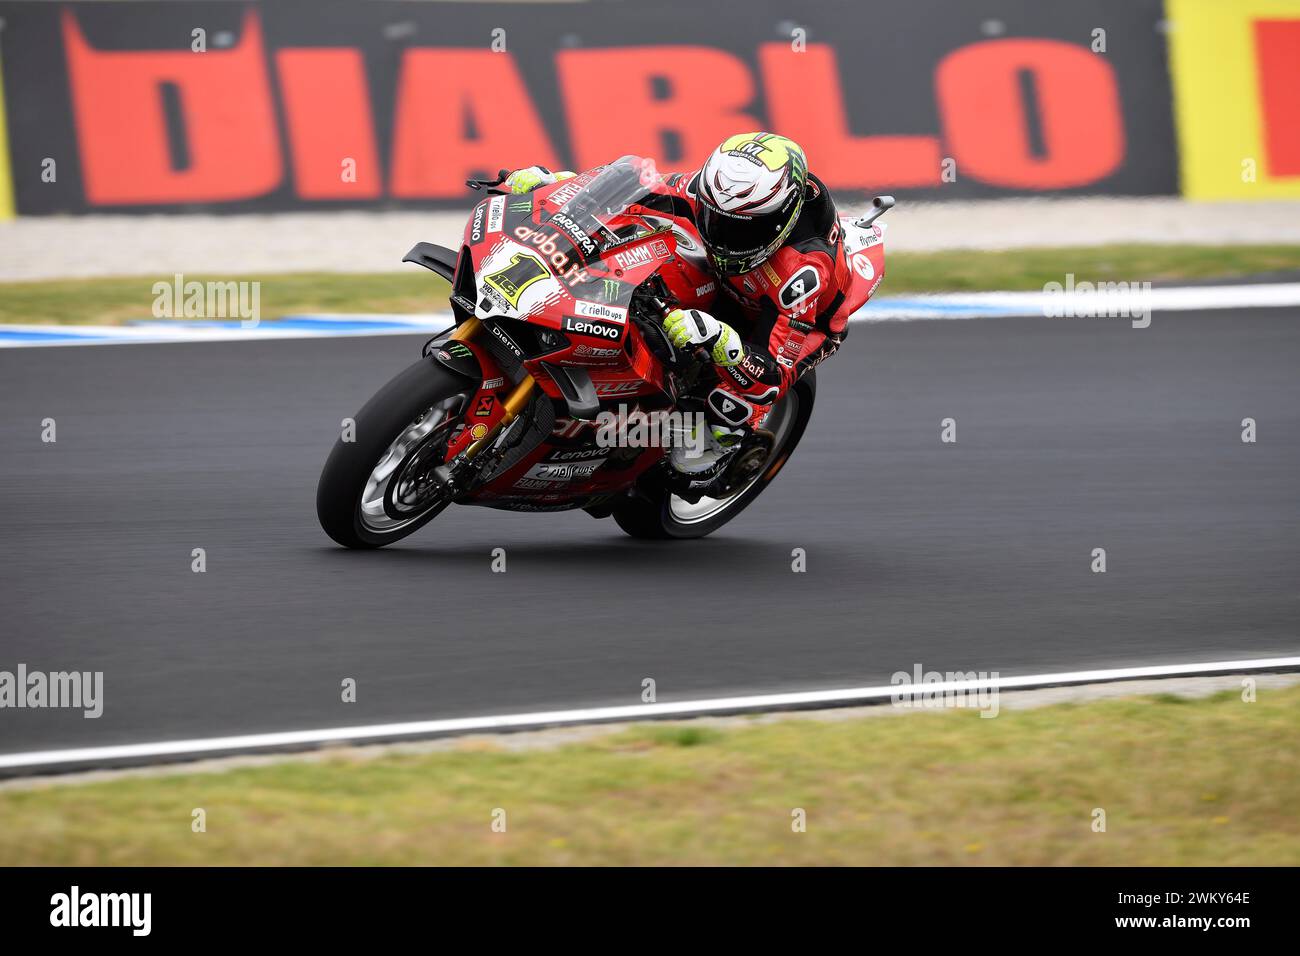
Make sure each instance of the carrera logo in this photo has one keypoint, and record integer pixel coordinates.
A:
(600, 310)
(575, 232)
(600, 330)
(633, 257)
(496, 213)
(800, 286)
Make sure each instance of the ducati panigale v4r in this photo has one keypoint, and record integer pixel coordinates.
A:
(557, 297)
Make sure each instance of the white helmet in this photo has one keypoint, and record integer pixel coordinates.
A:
(750, 192)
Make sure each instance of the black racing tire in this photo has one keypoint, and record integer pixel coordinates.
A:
(393, 410)
(656, 516)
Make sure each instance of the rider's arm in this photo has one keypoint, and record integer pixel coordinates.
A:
(786, 333)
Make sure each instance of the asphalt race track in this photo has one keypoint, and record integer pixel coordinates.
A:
(1072, 434)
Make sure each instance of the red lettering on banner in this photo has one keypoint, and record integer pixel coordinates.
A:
(227, 121)
(609, 98)
(1277, 56)
(440, 94)
(327, 115)
(805, 102)
(982, 106)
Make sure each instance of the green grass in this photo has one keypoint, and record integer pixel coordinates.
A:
(108, 301)
(1206, 782)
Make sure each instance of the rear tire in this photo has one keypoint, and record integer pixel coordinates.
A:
(391, 433)
(664, 516)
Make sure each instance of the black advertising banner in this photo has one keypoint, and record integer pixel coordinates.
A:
(297, 104)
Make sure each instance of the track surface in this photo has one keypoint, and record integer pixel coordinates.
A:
(1072, 434)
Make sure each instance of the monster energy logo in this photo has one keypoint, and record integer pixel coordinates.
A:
(610, 290)
(520, 205)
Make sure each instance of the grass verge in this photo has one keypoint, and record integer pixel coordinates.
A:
(1183, 782)
(110, 301)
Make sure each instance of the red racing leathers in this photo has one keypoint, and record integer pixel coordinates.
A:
(791, 312)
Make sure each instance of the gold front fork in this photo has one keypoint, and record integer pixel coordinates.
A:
(515, 401)
(466, 330)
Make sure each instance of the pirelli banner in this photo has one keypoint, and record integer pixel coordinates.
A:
(1236, 69)
(168, 106)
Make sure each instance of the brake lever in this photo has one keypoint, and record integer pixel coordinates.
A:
(488, 184)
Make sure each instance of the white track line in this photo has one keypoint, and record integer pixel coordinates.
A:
(686, 708)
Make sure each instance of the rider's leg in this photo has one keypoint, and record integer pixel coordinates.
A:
(727, 420)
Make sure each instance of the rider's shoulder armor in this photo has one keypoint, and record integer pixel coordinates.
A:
(805, 279)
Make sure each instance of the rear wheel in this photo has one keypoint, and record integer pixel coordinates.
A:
(666, 515)
(379, 488)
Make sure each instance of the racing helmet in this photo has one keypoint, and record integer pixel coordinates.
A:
(750, 192)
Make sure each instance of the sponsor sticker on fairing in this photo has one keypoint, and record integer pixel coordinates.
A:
(587, 350)
(600, 330)
(496, 213)
(600, 310)
(863, 267)
(562, 471)
(632, 258)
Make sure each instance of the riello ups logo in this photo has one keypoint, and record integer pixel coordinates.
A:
(365, 121)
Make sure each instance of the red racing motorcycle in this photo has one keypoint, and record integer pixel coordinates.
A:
(557, 297)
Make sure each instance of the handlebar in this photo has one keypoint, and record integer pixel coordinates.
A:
(488, 185)
(654, 329)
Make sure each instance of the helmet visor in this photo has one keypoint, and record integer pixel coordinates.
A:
(739, 244)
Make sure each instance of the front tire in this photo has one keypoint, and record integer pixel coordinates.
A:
(664, 515)
(376, 489)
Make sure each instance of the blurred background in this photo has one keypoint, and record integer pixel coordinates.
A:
(202, 114)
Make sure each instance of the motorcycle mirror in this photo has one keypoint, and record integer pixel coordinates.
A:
(881, 205)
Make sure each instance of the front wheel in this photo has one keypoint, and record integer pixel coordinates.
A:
(379, 487)
(665, 515)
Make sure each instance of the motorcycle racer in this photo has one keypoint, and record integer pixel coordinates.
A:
(773, 240)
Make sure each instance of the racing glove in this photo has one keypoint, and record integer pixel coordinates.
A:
(528, 179)
(691, 327)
